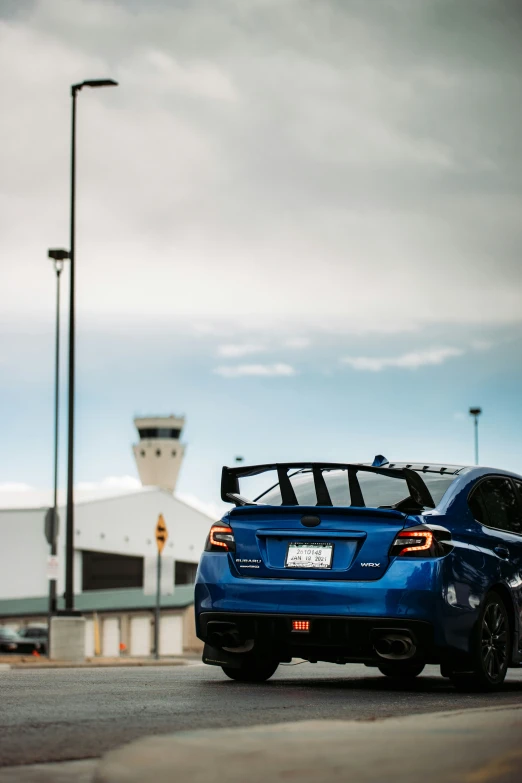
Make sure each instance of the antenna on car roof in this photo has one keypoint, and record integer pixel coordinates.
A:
(379, 461)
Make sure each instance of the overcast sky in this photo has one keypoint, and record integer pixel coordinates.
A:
(315, 201)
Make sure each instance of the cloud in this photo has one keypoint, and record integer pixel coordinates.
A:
(233, 351)
(409, 361)
(255, 369)
(15, 487)
(111, 483)
(459, 416)
(297, 342)
(482, 345)
(20, 495)
(213, 510)
(361, 165)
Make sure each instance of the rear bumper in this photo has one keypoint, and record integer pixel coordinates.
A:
(411, 592)
(337, 639)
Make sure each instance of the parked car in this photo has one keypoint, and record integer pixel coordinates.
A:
(38, 633)
(12, 642)
(392, 565)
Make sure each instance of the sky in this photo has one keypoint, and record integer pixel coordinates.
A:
(299, 224)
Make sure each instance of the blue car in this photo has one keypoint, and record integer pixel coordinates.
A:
(391, 565)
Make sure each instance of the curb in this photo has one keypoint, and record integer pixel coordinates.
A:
(27, 665)
(463, 745)
(95, 665)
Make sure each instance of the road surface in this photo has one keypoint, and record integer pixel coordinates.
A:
(59, 714)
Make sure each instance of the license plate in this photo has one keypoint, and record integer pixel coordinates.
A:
(313, 555)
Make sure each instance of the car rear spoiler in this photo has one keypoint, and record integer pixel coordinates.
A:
(417, 488)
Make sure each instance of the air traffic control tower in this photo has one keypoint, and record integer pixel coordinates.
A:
(159, 452)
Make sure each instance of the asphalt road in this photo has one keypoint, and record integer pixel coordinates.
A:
(59, 714)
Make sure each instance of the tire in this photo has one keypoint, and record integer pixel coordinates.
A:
(401, 670)
(490, 649)
(252, 671)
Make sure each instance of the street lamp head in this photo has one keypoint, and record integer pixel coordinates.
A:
(100, 83)
(94, 83)
(475, 411)
(58, 254)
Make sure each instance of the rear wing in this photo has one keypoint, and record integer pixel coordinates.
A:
(417, 488)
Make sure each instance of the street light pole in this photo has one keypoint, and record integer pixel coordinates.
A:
(58, 256)
(69, 529)
(475, 412)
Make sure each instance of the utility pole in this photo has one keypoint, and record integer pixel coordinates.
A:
(58, 256)
(69, 515)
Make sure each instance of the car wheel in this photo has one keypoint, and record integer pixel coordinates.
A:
(252, 671)
(401, 670)
(491, 644)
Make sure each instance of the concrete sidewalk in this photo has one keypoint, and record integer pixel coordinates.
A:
(471, 746)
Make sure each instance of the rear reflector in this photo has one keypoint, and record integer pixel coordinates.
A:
(301, 625)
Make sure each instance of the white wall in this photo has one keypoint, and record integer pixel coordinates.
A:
(122, 525)
(110, 636)
(90, 647)
(171, 634)
(127, 524)
(23, 554)
(140, 635)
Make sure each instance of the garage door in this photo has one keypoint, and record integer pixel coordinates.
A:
(89, 639)
(111, 637)
(171, 634)
(140, 636)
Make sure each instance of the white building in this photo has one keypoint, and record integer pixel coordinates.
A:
(113, 536)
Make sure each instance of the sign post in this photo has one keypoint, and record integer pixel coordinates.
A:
(161, 539)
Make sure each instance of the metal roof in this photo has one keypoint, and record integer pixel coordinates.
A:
(100, 601)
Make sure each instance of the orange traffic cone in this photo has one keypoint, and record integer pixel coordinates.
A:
(36, 653)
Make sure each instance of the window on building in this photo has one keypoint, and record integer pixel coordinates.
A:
(150, 433)
(105, 571)
(147, 432)
(185, 573)
(169, 432)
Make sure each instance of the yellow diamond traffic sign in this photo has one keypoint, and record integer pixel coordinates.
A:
(161, 533)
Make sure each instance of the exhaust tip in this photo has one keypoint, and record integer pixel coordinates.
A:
(395, 647)
(382, 646)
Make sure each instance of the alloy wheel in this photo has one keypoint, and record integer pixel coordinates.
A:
(494, 639)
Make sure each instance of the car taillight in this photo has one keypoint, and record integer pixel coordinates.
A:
(422, 541)
(220, 539)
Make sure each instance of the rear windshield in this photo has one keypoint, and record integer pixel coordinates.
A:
(378, 491)
(8, 633)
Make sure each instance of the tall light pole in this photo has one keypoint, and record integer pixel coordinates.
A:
(58, 257)
(69, 529)
(475, 412)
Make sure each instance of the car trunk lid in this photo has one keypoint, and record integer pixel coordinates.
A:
(327, 543)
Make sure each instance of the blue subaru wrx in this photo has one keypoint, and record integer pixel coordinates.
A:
(391, 565)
